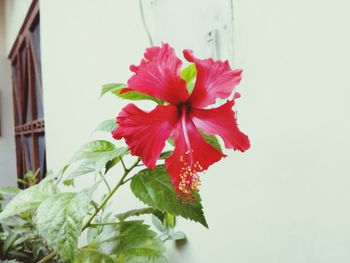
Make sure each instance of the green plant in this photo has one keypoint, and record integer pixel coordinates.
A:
(48, 222)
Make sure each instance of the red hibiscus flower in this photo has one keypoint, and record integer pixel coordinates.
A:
(183, 115)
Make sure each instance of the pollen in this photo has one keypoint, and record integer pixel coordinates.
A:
(189, 179)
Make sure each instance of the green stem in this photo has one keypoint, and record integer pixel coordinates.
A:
(121, 160)
(104, 202)
(47, 258)
(105, 181)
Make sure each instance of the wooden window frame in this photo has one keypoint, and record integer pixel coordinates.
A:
(26, 84)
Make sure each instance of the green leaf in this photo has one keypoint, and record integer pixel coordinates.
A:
(169, 220)
(111, 87)
(171, 141)
(179, 235)
(102, 161)
(96, 162)
(9, 241)
(137, 212)
(132, 241)
(9, 190)
(155, 189)
(165, 155)
(88, 255)
(115, 88)
(107, 126)
(189, 73)
(158, 224)
(84, 168)
(134, 95)
(212, 140)
(59, 221)
(93, 149)
(29, 199)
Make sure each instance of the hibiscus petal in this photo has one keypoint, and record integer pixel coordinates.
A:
(158, 75)
(221, 121)
(215, 79)
(184, 164)
(146, 132)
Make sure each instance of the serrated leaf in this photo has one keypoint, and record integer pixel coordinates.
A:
(84, 168)
(111, 87)
(88, 255)
(29, 199)
(155, 189)
(131, 242)
(59, 221)
(189, 73)
(107, 126)
(212, 140)
(105, 159)
(93, 149)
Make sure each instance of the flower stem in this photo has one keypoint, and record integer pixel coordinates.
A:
(98, 209)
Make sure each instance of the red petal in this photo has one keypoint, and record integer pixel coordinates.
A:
(145, 132)
(221, 121)
(215, 79)
(194, 160)
(158, 75)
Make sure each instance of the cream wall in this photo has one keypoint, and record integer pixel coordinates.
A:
(15, 11)
(7, 139)
(285, 200)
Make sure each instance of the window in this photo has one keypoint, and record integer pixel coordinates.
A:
(27, 96)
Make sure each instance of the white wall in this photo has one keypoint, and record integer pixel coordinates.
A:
(7, 140)
(287, 199)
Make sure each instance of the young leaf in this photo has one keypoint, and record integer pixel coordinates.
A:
(115, 88)
(107, 126)
(111, 87)
(155, 189)
(59, 221)
(134, 95)
(189, 73)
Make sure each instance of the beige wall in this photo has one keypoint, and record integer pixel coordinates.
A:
(287, 199)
